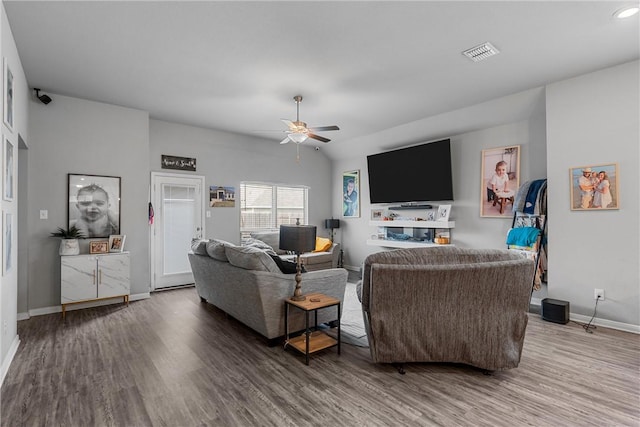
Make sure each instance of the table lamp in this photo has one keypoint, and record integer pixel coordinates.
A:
(332, 224)
(298, 239)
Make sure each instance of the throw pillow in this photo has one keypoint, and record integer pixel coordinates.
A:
(199, 246)
(286, 266)
(259, 244)
(322, 244)
(215, 249)
(250, 259)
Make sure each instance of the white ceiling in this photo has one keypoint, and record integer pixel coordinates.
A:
(368, 67)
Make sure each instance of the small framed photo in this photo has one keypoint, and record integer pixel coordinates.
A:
(8, 95)
(376, 214)
(594, 187)
(351, 194)
(116, 242)
(431, 215)
(98, 246)
(8, 181)
(443, 212)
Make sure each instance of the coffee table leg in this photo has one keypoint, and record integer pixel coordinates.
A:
(308, 335)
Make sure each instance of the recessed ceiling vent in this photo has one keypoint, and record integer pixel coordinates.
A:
(481, 52)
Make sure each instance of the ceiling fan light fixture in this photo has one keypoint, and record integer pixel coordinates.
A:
(298, 137)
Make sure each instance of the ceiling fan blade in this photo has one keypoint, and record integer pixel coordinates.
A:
(289, 123)
(284, 141)
(318, 137)
(323, 128)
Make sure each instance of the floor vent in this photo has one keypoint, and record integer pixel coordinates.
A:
(481, 52)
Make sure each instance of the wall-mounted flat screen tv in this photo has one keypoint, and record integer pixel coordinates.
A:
(421, 173)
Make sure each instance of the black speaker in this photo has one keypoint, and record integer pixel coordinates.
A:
(555, 310)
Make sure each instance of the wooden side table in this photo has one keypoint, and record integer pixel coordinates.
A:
(311, 342)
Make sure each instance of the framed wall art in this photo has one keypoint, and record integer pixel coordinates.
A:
(8, 94)
(594, 187)
(499, 181)
(8, 181)
(7, 247)
(94, 204)
(222, 197)
(351, 194)
(98, 246)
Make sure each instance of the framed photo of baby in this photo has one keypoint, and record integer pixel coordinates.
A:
(594, 187)
(94, 204)
(500, 179)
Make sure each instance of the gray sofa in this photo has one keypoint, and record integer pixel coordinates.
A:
(246, 283)
(446, 304)
(311, 260)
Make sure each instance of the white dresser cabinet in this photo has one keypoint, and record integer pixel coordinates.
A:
(94, 277)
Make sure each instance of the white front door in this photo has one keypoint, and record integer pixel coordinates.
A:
(178, 204)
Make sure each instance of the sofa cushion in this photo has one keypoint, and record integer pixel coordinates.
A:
(322, 244)
(271, 238)
(259, 244)
(215, 249)
(199, 246)
(250, 258)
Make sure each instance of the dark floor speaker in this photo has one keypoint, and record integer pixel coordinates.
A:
(555, 310)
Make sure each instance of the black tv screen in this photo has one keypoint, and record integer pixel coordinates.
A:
(416, 174)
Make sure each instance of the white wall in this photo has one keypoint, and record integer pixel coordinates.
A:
(471, 229)
(594, 119)
(9, 281)
(226, 159)
(72, 135)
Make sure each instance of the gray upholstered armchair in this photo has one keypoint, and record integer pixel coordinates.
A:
(446, 304)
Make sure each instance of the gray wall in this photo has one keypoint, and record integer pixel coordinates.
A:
(226, 159)
(9, 280)
(471, 230)
(593, 119)
(77, 136)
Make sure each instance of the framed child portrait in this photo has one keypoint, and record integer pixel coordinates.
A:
(116, 242)
(351, 194)
(98, 247)
(94, 204)
(499, 181)
(594, 187)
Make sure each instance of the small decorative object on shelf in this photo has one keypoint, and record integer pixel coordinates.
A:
(99, 247)
(116, 242)
(443, 212)
(69, 244)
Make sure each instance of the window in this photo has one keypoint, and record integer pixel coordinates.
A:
(268, 206)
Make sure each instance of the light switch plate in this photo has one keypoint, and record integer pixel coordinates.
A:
(44, 214)
(208, 214)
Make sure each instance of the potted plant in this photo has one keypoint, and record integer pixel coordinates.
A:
(69, 244)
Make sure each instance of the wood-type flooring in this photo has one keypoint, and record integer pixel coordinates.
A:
(173, 361)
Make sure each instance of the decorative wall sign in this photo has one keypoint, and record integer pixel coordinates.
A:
(94, 204)
(222, 197)
(351, 194)
(499, 181)
(179, 163)
(594, 187)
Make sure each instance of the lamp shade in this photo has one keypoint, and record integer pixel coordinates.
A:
(331, 223)
(298, 238)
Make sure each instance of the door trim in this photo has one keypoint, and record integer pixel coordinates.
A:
(152, 228)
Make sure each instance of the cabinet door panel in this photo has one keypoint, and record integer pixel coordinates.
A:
(113, 277)
(78, 278)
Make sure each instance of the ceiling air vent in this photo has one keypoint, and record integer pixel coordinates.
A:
(481, 52)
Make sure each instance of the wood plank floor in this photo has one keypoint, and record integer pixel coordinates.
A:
(172, 361)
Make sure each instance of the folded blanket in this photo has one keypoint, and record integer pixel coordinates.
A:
(524, 236)
(532, 196)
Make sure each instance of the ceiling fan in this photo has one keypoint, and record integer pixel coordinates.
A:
(299, 132)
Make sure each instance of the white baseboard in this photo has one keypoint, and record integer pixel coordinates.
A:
(7, 360)
(351, 267)
(605, 323)
(58, 308)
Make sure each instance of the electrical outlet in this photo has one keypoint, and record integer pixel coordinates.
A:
(598, 294)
